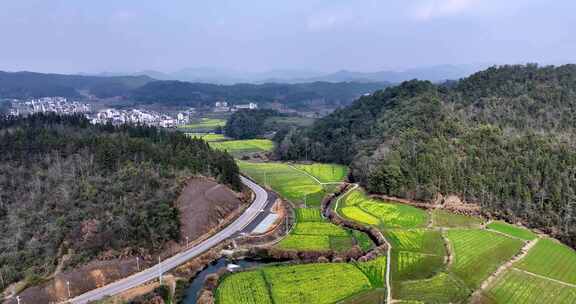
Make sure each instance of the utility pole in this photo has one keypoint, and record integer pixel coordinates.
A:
(159, 270)
(187, 242)
(18, 299)
(2, 278)
(68, 286)
(138, 263)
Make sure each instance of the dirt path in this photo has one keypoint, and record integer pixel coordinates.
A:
(508, 265)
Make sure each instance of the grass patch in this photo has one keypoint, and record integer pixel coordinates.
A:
(289, 183)
(512, 230)
(515, 287)
(243, 288)
(551, 259)
(326, 173)
(440, 289)
(478, 253)
(315, 283)
(359, 207)
(240, 147)
(443, 218)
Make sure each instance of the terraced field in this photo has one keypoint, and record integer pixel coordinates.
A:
(478, 253)
(240, 147)
(417, 240)
(442, 218)
(359, 207)
(308, 215)
(512, 230)
(375, 271)
(326, 173)
(516, 287)
(288, 182)
(551, 259)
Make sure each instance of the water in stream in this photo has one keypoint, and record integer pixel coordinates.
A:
(191, 293)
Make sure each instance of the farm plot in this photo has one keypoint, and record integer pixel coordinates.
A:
(308, 215)
(207, 136)
(375, 271)
(319, 228)
(317, 236)
(407, 265)
(512, 230)
(551, 259)
(478, 253)
(205, 124)
(417, 240)
(241, 147)
(442, 288)
(289, 183)
(358, 207)
(363, 240)
(442, 218)
(315, 283)
(243, 288)
(326, 173)
(305, 242)
(516, 287)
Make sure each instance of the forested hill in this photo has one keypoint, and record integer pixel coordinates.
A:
(28, 84)
(69, 187)
(502, 138)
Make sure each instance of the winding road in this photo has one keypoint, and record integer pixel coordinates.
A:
(152, 273)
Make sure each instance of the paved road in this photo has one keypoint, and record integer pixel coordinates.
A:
(152, 273)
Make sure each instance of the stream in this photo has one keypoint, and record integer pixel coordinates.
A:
(191, 293)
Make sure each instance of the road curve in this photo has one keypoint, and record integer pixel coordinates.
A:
(152, 273)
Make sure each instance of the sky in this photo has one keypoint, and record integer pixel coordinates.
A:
(70, 36)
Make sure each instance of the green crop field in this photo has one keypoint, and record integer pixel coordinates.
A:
(241, 147)
(243, 288)
(207, 136)
(289, 183)
(305, 242)
(205, 124)
(478, 253)
(308, 215)
(516, 287)
(512, 230)
(442, 218)
(440, 289)
(315, 283)
(375, 271)
(326, 173)
(319, 228)
(551, 259)
(408, 265)
(363, 240)
(417, 240)
(359, 207)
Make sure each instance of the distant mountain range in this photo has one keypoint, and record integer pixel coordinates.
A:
(436, 73)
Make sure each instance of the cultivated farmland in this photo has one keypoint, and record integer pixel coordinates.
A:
(359, 207)
(241, 147)
(512, 230)
(417, 240)
(375, 271)
(551, 259)
(442, 218)
(442, 288)
(207, 136)
(308, 215)
(243, 288)
(204, 124)
(315, 283)
(326, 173)
(516, 287)
(291, 184)
(478, 253)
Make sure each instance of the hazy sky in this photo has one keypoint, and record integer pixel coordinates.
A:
(255, 35)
